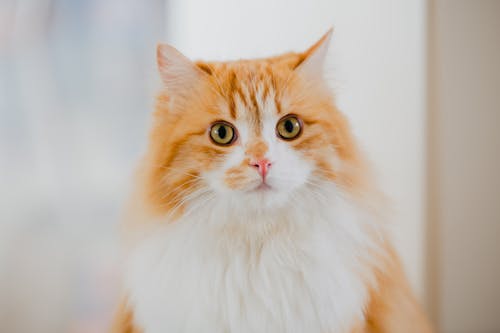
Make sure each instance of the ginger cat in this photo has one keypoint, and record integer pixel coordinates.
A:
(254, 210)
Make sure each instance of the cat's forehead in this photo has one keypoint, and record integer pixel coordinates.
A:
(251, 91)
(249, 79)
(251, 98)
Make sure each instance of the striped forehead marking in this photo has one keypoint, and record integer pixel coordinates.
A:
(250, 97)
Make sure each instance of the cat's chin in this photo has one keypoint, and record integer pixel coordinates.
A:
(262, 198)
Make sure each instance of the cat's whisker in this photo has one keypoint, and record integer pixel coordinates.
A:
(183, 200)
(178, 195)
(179, 171)
(178, 187)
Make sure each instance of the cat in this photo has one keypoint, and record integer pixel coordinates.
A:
(255, 211)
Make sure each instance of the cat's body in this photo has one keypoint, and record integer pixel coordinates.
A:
(254, 211)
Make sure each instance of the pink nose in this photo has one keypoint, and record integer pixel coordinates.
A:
(262, 165)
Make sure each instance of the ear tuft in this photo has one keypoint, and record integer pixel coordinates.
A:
(313, 61)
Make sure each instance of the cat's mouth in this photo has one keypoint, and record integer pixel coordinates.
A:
(263, 187)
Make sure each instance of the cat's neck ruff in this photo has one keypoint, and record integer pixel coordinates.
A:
(302, 268)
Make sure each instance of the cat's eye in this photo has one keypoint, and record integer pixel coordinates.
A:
(222, 133)
(289, 127)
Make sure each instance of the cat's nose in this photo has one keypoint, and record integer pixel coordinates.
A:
(262, 165)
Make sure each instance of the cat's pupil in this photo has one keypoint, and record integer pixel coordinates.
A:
(289, 126)
(222, 132)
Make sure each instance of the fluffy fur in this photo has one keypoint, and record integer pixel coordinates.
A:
(213, 251)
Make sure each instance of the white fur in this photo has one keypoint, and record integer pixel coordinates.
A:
(298, 270)
(292, 259)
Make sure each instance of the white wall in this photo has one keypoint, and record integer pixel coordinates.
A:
(378, 66)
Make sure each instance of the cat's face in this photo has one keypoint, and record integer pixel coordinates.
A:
(264, 161)
(253, 134)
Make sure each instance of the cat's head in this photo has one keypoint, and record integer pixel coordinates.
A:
(250, 133)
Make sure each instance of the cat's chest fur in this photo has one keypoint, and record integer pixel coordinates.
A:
(300, 273)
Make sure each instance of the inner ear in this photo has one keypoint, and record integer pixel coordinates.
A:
(312, 61)
(178, 73)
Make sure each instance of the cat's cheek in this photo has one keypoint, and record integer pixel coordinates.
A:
(291, 170)
(216, 177)
(323, 162)
(238, 177)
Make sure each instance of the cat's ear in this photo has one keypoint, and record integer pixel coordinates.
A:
(178, 73)
(313, 62)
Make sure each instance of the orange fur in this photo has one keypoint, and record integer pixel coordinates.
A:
(392, 306)
(124, 320)
(235, 177)
(179, 150)
(183, 133)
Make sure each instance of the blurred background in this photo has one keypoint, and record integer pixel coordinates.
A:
(419, 79)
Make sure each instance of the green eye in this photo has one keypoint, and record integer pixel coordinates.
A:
(289, 127)
(222, 133)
